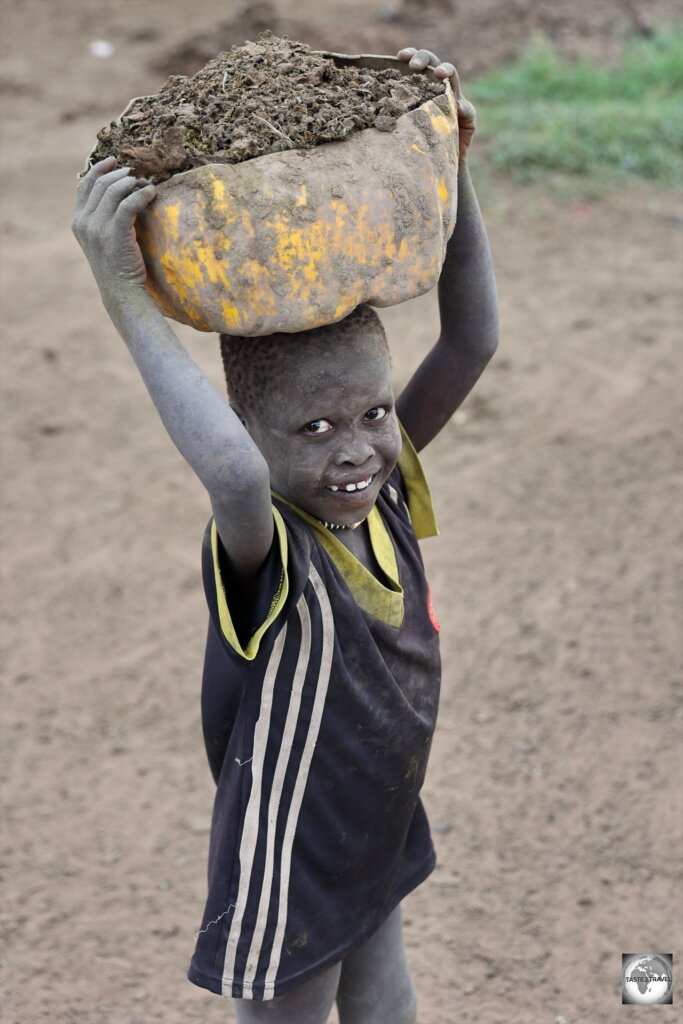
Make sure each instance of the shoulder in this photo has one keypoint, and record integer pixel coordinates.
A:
(276, 588)
(407, 488)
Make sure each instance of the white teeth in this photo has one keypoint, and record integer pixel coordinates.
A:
(360, 486)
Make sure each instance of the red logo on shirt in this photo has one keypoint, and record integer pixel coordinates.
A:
(430, 611)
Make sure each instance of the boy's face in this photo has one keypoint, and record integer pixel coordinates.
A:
(330, 424)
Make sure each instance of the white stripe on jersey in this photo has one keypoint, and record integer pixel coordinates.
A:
(251, 819)
(300, 785)
(276, 793)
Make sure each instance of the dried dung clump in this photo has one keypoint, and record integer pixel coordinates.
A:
(263, 97)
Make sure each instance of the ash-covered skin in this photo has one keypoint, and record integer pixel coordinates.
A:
(330, 422)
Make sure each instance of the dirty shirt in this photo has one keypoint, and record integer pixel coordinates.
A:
(317, 732)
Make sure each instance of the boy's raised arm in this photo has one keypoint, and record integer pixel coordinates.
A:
(467, 296)
(196, 415)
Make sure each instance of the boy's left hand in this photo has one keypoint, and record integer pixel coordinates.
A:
(467, 115)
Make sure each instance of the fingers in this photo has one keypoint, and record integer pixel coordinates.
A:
(101, 185)
(421, 59)
(449, 71)
(122, 199)
(138, 199)
(121, 189)
(418, 60)
(87, 183)
(466, 110)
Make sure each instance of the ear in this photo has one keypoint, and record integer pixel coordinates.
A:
(248, 419)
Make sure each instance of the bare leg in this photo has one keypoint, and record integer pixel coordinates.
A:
(309, 1004)
(375, 985)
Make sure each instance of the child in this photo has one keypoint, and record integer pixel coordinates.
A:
(322, 670)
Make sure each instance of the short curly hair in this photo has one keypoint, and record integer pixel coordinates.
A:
(253, 366)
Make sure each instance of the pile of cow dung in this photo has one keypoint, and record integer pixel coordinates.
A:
(263, 97)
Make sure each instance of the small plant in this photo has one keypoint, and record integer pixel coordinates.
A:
(545, 115)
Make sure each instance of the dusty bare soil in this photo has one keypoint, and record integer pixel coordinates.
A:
(555, 781)
(478, 35)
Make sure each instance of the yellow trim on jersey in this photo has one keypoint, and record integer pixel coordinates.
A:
(417, 490)
(385, 603)
(279, 597)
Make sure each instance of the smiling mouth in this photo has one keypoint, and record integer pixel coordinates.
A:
(351, 488)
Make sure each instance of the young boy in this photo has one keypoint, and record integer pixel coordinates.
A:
(322, 665)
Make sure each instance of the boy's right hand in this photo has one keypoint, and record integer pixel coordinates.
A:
(107, 203)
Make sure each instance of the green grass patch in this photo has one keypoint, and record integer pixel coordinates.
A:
(546, 118)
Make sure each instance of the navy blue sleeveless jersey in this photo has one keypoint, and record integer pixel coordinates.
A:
(317, 733)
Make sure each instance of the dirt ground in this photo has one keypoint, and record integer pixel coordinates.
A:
(555, 781)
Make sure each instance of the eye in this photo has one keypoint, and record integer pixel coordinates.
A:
(318, 427)
(378, 412)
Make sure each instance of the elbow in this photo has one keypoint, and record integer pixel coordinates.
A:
(485, 340)
(475, 341)
(490, 335)
(475, 349)
(489, 345)
(226, 478)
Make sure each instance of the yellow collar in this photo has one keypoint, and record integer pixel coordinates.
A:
(385, 603)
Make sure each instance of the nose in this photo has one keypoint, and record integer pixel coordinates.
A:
(353, 449)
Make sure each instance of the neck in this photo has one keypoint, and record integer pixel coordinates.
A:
(341, 526)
